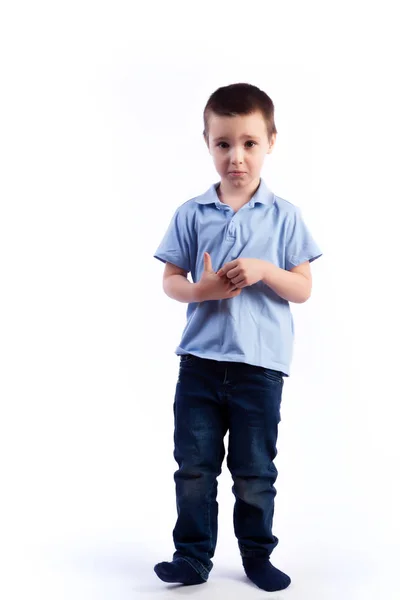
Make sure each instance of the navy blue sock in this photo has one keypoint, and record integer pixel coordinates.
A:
(178, 571)
(264, 575)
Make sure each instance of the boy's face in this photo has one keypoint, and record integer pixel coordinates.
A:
(239, 143)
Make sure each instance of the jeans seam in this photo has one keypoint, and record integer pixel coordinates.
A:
(196, 566)
(209, 522)
(252, 553)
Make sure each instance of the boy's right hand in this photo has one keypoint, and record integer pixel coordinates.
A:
(213, 287)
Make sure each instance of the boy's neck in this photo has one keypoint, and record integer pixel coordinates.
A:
(234, 197)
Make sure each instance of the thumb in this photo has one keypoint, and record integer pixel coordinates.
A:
(207, 262)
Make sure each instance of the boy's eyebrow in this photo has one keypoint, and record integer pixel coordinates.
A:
(245, 135)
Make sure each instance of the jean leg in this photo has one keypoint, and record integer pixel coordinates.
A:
(200, 426)
(255, 402)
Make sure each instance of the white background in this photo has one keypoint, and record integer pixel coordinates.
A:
(101, 139)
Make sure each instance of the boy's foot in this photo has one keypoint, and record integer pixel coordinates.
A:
(264, 575)
(178, 571)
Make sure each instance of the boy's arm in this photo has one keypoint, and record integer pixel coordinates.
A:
(293, 285)
(177, 286)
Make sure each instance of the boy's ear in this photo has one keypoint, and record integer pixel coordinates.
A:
(271, 143)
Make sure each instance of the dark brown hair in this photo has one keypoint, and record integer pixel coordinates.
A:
(240, 99)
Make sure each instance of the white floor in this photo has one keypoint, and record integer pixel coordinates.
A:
(96, 554)
(106, 570)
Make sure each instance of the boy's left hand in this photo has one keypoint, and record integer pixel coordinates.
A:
(243, 271)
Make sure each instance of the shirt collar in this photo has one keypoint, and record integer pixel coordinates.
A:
(263, 195)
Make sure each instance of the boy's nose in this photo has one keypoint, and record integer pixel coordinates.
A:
(237, 157)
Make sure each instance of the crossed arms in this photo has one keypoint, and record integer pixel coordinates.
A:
(294, 285)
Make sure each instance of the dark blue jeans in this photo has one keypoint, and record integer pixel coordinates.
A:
(211, 398)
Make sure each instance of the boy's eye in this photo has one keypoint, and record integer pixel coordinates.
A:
(248, 142)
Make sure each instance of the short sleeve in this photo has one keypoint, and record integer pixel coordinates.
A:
(300, 245)
(176, 243)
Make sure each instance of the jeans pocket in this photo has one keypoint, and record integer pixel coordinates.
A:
(273, 375)
(186, 359)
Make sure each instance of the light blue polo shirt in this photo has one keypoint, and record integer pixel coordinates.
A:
(255, 327)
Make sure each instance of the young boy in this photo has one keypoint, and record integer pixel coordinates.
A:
(249, 253)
